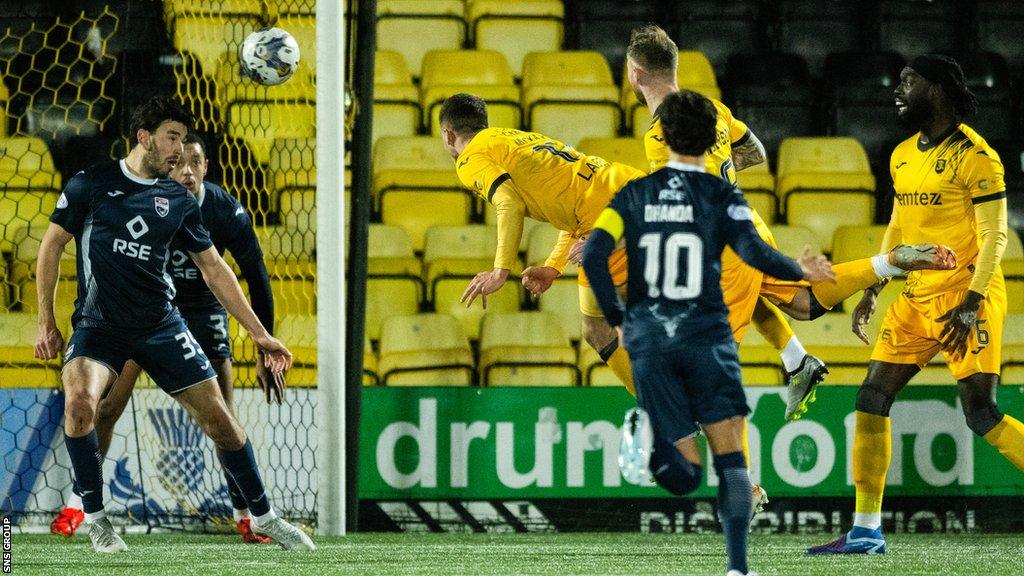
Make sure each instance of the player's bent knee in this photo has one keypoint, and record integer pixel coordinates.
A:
(982, 417)
(598, 333)
(874, 399)
(675, 474)
(815, 309)
(79, 413)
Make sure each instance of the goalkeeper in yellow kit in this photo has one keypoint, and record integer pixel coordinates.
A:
(528, 174)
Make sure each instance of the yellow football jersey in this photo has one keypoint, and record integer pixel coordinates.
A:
(730, 131)
(936, 191)
(557, 184)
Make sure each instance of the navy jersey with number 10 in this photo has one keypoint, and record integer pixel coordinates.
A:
(675, 223)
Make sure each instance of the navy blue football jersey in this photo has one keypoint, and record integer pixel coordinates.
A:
(123, 227)
(675, 223)
(230, 229)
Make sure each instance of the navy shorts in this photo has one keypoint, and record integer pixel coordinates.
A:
(169, 352)
(682, 389)
(210, 327)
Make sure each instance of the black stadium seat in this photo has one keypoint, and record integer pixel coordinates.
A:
(719, 29)
(814, 28)
(1000, 29)
(989, 78)
(605, 25)
(914, 27)
(774, 95)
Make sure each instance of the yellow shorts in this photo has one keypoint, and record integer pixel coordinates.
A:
(619, 267)
(910, 332)
(743, 285)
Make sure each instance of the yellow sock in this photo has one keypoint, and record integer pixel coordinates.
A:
(851, 277)
(770, 322)
(619, 363)
(746, 444)
(1008, 438)
(872, 451)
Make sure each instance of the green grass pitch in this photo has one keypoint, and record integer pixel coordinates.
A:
(547, 554)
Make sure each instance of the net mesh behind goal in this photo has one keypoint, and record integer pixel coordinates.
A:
(69, 82)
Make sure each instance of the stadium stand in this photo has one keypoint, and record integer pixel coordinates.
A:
(526, 349)
(535, 26)
(482, 72)
(570, 96)
(415, 27)
(424, 350)
(396, 102)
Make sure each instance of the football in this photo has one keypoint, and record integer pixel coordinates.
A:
(269, 56)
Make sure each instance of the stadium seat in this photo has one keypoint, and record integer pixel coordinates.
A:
(758, 186)
(491, 219)
(415, 27)
(914, 27)
(390, 252)
(26, 163)
(988, 76)
(605, 26)
(814, 28)
(1013, 270)
(281, 243)
(412, 173)
(629, 151)
(823, 211)
(22, 274)
(293, 294)
(232, 87)
(855, 242)
(424, 350)
(693, 73)
(562, 299)
(297, 208)
(396, 102)
(720, 29)
(536, 26)
(526, 349)
(299, 333)
(1000, 25)
(394, 282)
(212, 39)
(1013, 344)
(830, 338)
(541, 241)
(258, 124)
(773, 94)
(484, 73)
(570, 96)
(760, 362)
(18, 366)
(595, 372)
(20, 209)
(292, 165)
(792, 240)
(176, 8)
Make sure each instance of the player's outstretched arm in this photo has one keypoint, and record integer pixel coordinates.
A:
(745, 240)
(49, 342)
(222, 282)
(510, 211)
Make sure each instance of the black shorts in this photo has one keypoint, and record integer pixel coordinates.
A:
(169, 352)
(210, 327)
(682, 389)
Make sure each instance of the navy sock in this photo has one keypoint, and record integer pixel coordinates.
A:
(234, 492)
(87, 462)
(673, 472)
(241, 466)
(734, 500)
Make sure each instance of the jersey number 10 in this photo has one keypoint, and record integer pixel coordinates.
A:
(665, 282)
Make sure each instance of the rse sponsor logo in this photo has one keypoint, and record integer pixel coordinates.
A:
(919, 199)
(179, 261)
(132, 249)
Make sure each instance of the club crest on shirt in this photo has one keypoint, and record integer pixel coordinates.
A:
(940, 165)
(163, 207)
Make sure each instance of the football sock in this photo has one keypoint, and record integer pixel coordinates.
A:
(240, 514)
(882, 267)
(87, 463)
(792, 354)
(851, 277)
(872, 451)
(1008, 438)
(234, 493)
(74, 501)
(617, 359)
(771, 324)
(673, 472)
(241, 465)
(734, 501)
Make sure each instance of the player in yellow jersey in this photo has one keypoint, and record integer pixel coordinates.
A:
(528, 174)
(949, 185)
(651, 61)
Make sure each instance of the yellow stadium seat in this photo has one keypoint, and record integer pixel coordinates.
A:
(484, 73)
(212, 39)
(297, 209)
(20, 209)
(831, 339)
(293, 295)
(370, 376)
(298, 332)
(232, 87)
(1013, 340)
(390, 252)
(303, 28)
(693, 73)
(26, 163)
(563, 300)
(535, 26)
(448, 291)
(526, 349)
(813, 164)
(855, 242)
(425, 350)
(570, 96)
(1015, 294)
(629, 151)
(26, 252)
(823, 212)
(388, 296)
(259, 123)
(177, 8)
(542, 241)
(18, 366)
(396, 102)
(286, 244)
(595, 372)
(292, 164)
(760, 362)
(758, 186)
(1013, 256)
(412, 173)
(791, 240)
(415, 27)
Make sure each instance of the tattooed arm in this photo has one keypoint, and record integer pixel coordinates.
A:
(748, 151)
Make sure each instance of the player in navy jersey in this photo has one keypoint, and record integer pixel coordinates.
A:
(123, 217)
(675, 324)
(231, 229)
